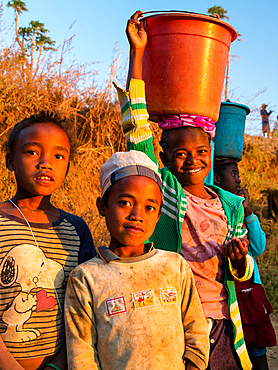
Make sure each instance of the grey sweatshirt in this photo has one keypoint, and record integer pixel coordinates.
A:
(135, 313)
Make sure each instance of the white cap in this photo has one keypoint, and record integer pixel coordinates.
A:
(124, 164)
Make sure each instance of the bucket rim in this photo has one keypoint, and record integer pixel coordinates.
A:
(239, 105)
(191, 15)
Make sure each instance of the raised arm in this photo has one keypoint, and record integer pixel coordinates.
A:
(135, 122)
(137, 38)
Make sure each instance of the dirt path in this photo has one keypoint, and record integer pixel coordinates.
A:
(272, 352)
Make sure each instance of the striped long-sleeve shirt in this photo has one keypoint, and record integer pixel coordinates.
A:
(32, 323)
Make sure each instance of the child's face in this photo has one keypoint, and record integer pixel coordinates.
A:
(40, 159)
(188, 156)
(229, 180)
(132, 212)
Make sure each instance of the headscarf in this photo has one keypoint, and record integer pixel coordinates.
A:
(182, 120)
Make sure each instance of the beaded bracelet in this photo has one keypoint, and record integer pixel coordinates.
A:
(53, 366)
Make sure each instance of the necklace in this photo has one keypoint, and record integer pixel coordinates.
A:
(22, 214)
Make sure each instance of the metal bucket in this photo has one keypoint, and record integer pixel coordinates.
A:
(184, 63)
(229, 137)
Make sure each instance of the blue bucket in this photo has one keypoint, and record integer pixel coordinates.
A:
(230, 127)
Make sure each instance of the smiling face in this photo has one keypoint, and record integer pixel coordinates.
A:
(40, 159)
(229, 179)
(187, 154)
(131, 213)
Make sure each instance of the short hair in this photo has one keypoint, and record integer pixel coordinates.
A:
(45, 116)
(166, 133)
(105, 196)
(219, 169)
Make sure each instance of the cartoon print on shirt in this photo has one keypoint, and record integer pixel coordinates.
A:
(115, 306)
(199, 252)
(144, 298)
(24, 265)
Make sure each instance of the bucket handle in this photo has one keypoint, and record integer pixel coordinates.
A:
(178, 11)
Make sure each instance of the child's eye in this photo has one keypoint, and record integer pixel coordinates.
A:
(202, 151)
(125, 203)
(32, 152)
(59, 156)
(150, 208)
(181, 155)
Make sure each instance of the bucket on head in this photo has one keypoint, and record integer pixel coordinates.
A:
(184, 63)
(229, 136)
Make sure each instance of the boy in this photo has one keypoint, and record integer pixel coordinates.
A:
(132, 306)
(39, 246)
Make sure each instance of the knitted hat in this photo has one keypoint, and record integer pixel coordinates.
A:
(124, 164)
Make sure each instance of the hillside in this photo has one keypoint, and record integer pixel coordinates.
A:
(80, 190)
(259, 173)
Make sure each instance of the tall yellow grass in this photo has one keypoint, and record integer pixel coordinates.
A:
(95, 114)
(259, 173)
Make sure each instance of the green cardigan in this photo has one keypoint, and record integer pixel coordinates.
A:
(167, 234)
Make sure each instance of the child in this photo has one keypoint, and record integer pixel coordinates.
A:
(40, 245)
(253, 303)
(204, 223)
(133, 306)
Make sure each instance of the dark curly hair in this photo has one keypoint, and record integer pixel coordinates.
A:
(52, 117)
(219, 169)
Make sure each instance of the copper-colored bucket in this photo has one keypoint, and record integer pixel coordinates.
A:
(184, 63)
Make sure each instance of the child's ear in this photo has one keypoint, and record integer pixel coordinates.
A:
(163, 158)
(216, 179)
(10, 162)
(101, 206)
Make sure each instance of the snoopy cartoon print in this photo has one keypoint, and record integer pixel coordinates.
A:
(25, 265)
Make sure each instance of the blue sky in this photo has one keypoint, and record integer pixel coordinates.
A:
(99, 25)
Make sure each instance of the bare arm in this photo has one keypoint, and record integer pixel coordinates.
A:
(137, 38)
(7, 361)
(60, 360)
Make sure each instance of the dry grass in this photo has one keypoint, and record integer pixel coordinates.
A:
(259, 174)
(259, 165)
(95, 115)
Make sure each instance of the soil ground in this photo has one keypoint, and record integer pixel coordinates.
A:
(272, 352)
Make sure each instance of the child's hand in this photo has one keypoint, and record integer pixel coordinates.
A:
(244, 193)
(236, 248)
(135, 31)
(137, 37)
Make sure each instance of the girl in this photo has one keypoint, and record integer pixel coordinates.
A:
(204, 223)
(40, 245)
(252, 299)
